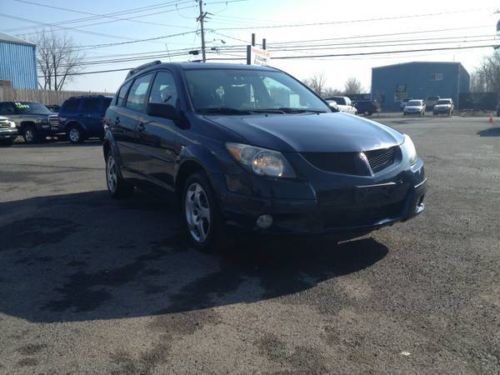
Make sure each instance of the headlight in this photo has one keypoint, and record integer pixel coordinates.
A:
(12, 124)
(261, 161)
(409, 149)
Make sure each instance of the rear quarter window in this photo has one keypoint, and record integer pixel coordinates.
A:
(122, 94)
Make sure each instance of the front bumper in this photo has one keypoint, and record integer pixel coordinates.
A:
(441, 110)
(8, 133)
(344, 208)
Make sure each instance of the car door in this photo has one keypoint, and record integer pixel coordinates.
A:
(90, 116)
(127, 116)
(158, 137)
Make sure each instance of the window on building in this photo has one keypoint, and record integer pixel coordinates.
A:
(437, 77)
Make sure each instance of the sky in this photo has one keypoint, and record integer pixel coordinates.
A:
(340, 27)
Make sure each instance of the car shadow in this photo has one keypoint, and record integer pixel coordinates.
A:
(84, 256)
(490, 132)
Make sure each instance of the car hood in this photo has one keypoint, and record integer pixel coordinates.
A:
(326, 132)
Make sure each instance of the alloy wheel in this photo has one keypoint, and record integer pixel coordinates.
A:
(197, 211)
(74, 135)
(29, 135)
(111, 174)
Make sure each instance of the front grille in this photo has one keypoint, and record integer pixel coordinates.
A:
(337, 162)
(352, 162)
(54, 120)
(381, 159)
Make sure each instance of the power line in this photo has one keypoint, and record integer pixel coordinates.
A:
(90, 13)
(117, 13)
(383, 52)
(60, 27)
(316, 24)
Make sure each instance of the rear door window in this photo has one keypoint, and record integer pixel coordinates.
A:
(137, 95)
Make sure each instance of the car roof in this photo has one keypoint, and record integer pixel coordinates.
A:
(89, 97)
(195, 66)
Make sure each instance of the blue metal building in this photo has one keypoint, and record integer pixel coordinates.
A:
(18, 62)
(418, 80)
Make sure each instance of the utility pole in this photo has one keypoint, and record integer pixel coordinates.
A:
(201, 19)
(55, 71)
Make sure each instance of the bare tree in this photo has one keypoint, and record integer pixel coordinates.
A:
(316, 83)
(57, 59)
(352, 86)
(487, 77)
(330, 91)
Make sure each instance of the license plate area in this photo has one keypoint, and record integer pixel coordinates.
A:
(375, 195)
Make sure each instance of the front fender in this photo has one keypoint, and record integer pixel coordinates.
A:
(109, 144)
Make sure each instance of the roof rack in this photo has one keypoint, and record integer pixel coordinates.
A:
(142, 67)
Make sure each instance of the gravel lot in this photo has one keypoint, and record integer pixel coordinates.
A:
(92, 285)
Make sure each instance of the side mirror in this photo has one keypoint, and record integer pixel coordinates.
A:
(163, 110)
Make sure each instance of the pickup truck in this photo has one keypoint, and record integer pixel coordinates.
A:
(344, 104)
(31, 119)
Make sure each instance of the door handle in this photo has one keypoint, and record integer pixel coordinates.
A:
(141, 127)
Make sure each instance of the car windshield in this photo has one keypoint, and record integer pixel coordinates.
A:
(243, 91)
(444, 101)
(414, 102)
(32, 108)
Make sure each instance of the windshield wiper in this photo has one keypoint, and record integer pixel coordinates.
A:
(224, 111)
(288, 110)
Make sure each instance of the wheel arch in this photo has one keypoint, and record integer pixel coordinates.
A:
(186, 169)
(27, 123)
(72, 122)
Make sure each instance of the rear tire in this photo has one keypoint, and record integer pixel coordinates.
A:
(75, 134)
(117, 187)
(30, 135)
(201, 216)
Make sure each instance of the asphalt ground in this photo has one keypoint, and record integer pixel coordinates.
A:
(93, 285)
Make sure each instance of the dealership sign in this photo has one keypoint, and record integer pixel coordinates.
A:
(258, 56)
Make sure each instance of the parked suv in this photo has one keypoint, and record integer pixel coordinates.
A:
(31, 119)
(444, 106)
(252, 147)
(81, 117)
(431, 101)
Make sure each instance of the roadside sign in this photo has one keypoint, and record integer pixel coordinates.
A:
(258, 56)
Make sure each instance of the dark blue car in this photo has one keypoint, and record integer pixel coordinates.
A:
(81, 117)
(252, 147)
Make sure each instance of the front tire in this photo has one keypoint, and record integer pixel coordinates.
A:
(202, 219)
(30, 135)
(117, 186)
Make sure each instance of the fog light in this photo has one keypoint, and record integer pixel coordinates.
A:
(264, 221)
